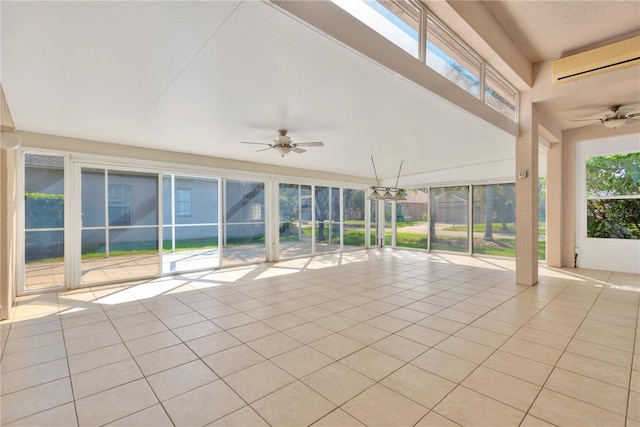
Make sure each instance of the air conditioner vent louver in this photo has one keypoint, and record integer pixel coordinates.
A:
(607, 58)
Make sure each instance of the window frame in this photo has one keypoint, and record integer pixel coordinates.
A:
(506, 87)
(350, 7)
(588, 197)
(178, 201)
(464, 56)
(123, 206)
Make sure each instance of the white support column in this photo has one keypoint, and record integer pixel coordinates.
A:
(527, 194)
(8, 231)
(554, 205)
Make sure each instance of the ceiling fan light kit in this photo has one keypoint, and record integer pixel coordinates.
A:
(614, 123)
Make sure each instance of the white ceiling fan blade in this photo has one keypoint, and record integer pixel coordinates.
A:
(310, 144)
(630, 116)
(297, 150)
(255, 143)
(265, 149)
(590, 124)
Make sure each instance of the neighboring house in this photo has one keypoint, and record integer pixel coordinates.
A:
(415, 208)
(450, 208)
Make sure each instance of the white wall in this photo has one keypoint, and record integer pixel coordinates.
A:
(603, 254)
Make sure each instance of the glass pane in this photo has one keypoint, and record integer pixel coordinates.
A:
(542, 218)
(94, 244)
(195, 247)
(94, 255)
(191, 223)
(167, 202)
(245, 233)
(387, 223)
(44, 259)
(397, 20)
(136, 252)
(133, 252)
(449, 219)
(295, 233)
(93, 200)
(44, 191)
(373, 231)
(44, 221)
(412, 216)
(327, 217)
(449, 57)
(613, 175)
(500, 95)
(196, 200)
(613, 218)
(494, 229)
(616, 175)
(133, 199)
(354, 209)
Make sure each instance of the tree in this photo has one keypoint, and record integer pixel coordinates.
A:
(608, 178)
(505, 205)
(433, 219)
(613, 175)
(542, 198)
(327, 208)
(461, 77)
(488, 204)
(288, 204)
(354, 203)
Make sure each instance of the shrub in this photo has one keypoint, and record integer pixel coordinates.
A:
(43, 210)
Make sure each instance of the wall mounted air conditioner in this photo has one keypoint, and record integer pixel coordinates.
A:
(607, 58)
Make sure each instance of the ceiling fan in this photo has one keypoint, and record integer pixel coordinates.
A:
(619, 116)
(284, 145)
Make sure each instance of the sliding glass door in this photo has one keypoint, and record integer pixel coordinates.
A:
(318, 219)
(494, 214)
(120, 231)
(327, 229)
(295, 228)
(44, 222)
(244, 226)
(450, 219)
(412, 219)
(353, 219)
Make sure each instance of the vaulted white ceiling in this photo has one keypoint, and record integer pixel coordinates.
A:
(199, 77)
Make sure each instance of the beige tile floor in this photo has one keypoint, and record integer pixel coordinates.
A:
(377, 338)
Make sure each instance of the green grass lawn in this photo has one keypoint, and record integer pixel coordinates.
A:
(499, 247)
(352, 237)
(401, 224)
(410, 240)
(496, 227)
